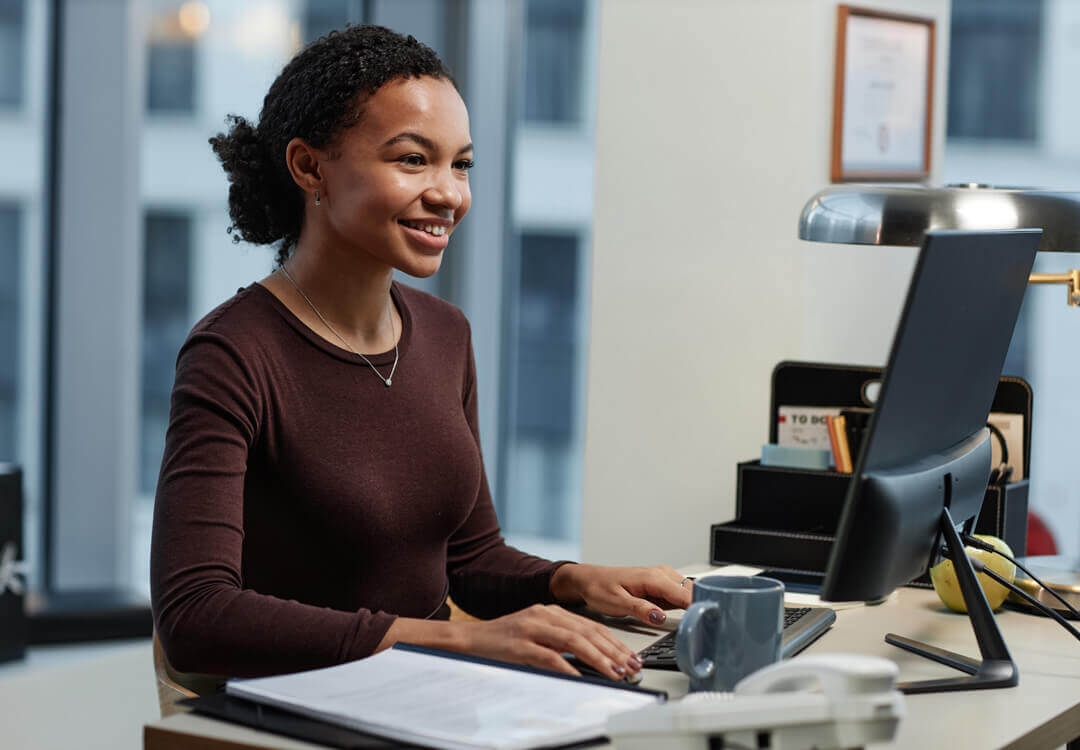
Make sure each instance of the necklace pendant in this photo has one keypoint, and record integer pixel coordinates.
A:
(388, 381)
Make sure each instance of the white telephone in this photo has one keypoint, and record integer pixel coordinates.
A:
(812, 701)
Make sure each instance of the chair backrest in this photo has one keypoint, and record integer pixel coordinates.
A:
(169, 690)
(173, 685)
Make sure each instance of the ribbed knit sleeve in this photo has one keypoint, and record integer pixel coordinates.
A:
(208, 622)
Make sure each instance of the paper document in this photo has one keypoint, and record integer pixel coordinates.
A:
(445, 701)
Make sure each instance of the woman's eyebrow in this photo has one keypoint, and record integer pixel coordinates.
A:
(422, 141)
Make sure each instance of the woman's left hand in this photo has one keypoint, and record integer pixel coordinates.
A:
(643, 593)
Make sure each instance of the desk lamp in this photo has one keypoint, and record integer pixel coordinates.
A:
(901, 215)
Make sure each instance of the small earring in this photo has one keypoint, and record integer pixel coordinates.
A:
(317, 201)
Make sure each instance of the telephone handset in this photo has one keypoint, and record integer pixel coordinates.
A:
(820, 701)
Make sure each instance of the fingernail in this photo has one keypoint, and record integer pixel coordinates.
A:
(618, 670)
(635, 662)
(657, 617)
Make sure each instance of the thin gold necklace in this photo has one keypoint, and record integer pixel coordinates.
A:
(389, 378)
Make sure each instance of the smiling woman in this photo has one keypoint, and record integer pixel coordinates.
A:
(307, 513)
(394, 188)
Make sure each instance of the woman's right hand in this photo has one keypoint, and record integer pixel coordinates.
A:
(539, 635)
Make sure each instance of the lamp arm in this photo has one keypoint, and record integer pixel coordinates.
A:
(1071, 279)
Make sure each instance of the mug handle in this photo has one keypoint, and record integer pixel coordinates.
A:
(688, 641)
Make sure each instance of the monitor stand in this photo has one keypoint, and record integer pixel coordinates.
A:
(996, 669)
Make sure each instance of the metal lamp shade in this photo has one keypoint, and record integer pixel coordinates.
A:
(895, 215)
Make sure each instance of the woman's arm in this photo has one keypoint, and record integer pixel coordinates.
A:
(206, 619)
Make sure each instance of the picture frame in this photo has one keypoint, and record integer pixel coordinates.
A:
(883, 96)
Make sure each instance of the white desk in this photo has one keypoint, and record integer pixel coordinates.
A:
(1043, 711)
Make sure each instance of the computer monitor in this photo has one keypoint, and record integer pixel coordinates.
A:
(924, 463)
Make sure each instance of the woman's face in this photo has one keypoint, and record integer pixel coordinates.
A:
(397, 183)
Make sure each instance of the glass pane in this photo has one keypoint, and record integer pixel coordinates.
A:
(553, 60)
(23, 99)
(320, 17)
(1011, 123)
(174, 29)
(171, 72)
(166, 302)
(12, 52)
(545, 407)
(10, 241)
(542, 414)
(994, 68)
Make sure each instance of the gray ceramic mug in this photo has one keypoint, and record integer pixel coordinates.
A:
(733, 628)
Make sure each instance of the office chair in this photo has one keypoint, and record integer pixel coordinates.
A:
(173, 686)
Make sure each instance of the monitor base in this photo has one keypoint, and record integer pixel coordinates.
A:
(983, 675)
(996, 669)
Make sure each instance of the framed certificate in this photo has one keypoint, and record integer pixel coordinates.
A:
(883, 96)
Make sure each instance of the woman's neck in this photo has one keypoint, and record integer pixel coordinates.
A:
(349, 297)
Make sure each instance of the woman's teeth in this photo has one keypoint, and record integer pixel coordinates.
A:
(435, 229)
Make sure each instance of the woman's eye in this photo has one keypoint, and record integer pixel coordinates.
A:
(464, 164)
(412, 160)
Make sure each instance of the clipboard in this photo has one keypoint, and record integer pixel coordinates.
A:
(320, 718)
(270, 719)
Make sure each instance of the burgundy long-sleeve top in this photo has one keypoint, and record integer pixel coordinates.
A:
(303, 505)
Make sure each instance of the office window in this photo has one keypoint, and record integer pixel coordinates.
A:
(24, 91)
(171, 72)
(1011, 123)
(542, 408)
(12, 52)
(554, 35)
(166, 319)
(994, 64)
(10, 303)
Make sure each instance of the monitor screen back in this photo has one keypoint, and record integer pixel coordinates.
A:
(927, 435)
(950, 344)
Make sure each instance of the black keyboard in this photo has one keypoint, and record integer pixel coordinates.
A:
(802, 626)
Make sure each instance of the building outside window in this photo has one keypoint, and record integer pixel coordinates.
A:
(554, 58)
(171, 56)
(12, 52)
(542, 410)
(1011, 114)
(320, 17)
(994, 50)
(10, 305)
(543, 403)
(166, 321)
(23, 207)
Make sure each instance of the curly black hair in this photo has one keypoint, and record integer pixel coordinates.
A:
(317, 95)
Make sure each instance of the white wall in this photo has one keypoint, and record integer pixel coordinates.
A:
(713, 130)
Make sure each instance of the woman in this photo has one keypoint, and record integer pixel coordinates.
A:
(322, 489)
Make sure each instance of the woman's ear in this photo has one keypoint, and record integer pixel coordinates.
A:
(303, 162)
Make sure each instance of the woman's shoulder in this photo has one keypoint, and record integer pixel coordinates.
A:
(243, 313)
(244, 325)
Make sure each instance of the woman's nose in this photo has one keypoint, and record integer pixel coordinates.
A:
(445, 192)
